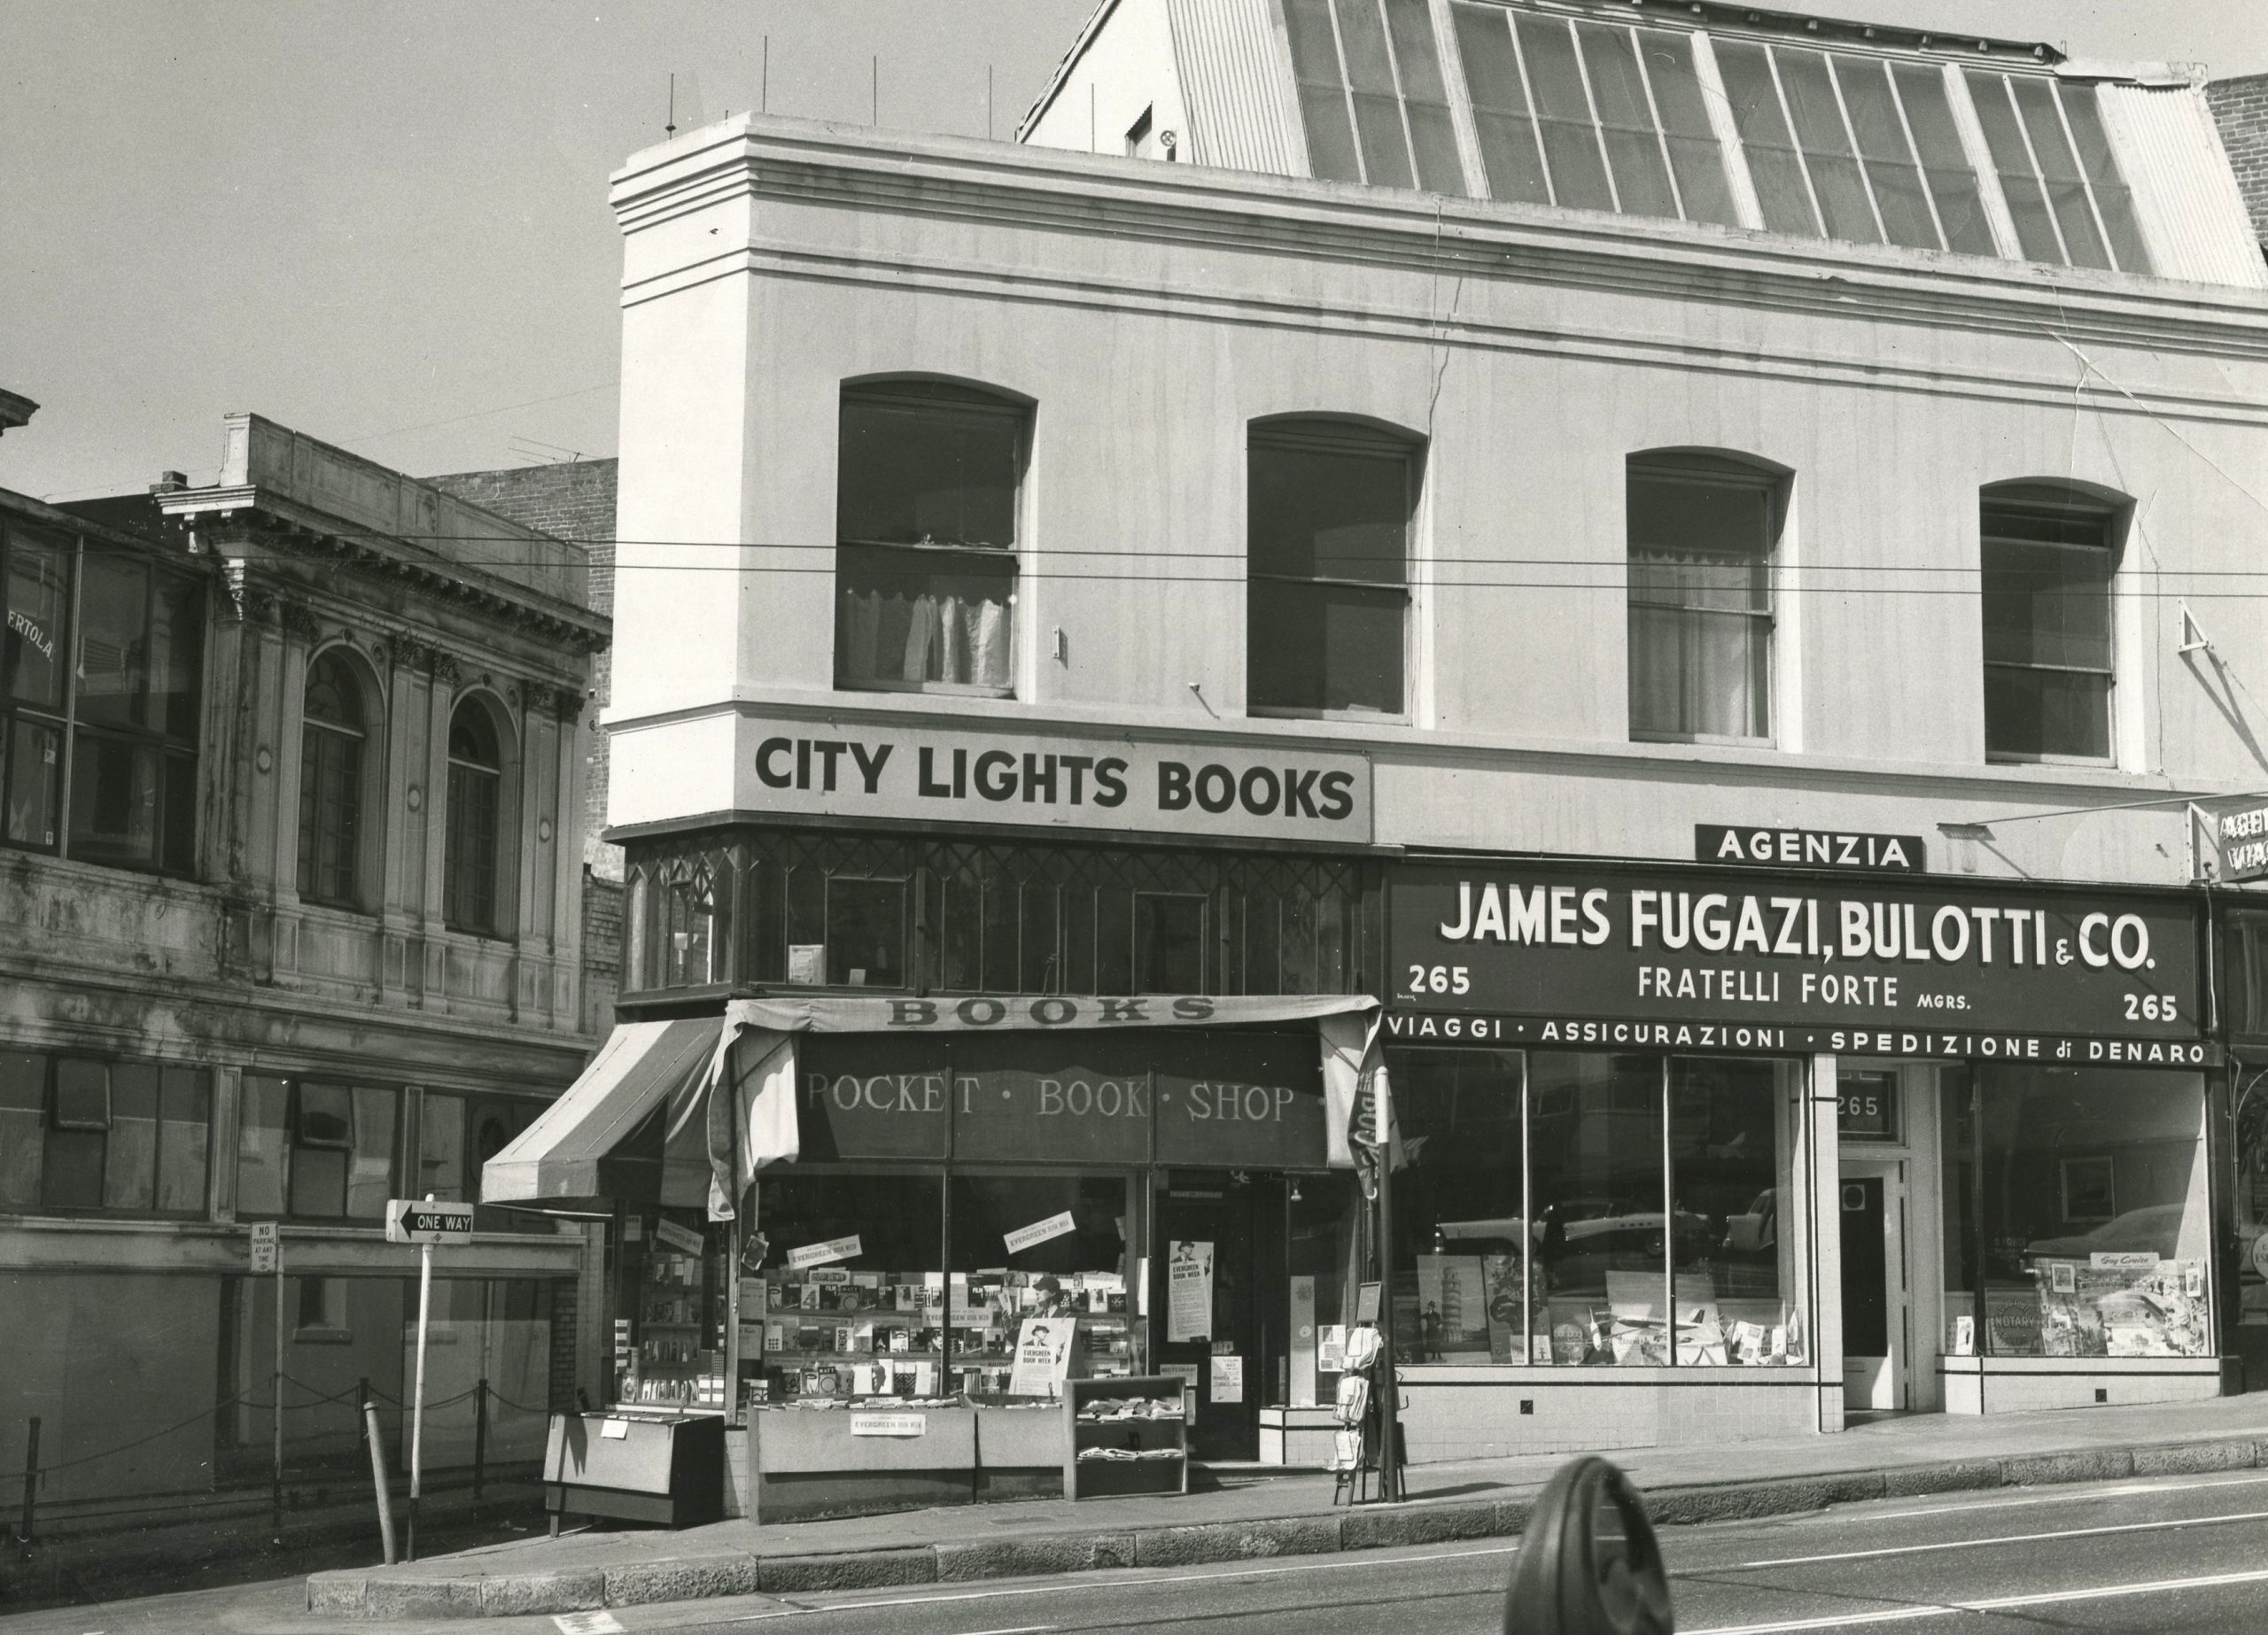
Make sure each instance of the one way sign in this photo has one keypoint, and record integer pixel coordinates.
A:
(409, 1220)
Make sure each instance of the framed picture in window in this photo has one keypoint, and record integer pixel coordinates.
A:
(82, 1094)
(2088, 1191)
(326, 1118)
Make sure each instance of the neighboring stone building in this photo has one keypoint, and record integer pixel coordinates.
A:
(574, 500)
(2240, 111)
(291, 850)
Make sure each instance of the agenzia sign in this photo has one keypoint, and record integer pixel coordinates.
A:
(410, 1220)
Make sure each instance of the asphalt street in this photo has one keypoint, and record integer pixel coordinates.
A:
(2187, 1553)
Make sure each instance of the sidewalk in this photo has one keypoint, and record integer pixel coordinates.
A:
(1255, 1514)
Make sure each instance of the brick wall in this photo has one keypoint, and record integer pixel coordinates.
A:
(601, 950)
(2240, 109)
(574, 500)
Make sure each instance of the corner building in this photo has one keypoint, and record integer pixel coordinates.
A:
(1741, 505)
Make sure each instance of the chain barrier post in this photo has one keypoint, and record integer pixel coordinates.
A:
(31, 1481)
(479, 1436)
(378, 1475)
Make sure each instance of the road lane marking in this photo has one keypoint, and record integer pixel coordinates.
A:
(1016, 1628)
(1999, 1603)
(1368, 1558)
(1979, 1544)
(2126, 1491)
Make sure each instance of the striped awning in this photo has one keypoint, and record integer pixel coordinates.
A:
(593, 1145)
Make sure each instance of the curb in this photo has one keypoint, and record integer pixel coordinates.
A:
(384, 1593)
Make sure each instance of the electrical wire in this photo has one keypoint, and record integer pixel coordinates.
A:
(1614, 579)
(984, 552)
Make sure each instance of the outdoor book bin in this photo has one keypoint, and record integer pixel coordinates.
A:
(636, 1467)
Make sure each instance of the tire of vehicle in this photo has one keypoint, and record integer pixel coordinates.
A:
(1589, 1564)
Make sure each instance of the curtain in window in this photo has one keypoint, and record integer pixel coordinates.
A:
(954, 638)
(1700, 656)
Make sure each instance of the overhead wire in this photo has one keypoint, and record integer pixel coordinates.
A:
(1789, 580)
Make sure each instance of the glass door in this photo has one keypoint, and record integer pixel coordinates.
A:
(1210, 1313)
(1875, 1307)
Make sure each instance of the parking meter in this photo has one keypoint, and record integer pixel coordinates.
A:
(1588, 1565)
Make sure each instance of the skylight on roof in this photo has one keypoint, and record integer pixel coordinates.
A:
(1681, 123)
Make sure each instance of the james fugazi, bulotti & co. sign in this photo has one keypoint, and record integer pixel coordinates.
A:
(1601, 956)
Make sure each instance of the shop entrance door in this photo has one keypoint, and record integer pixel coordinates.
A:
(1875, 1306)
(1210, 1319)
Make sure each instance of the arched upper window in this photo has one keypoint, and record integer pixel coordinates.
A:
(334, 738)
(925, 563)
(1327, 536)
(1703, 530)
(470, 896)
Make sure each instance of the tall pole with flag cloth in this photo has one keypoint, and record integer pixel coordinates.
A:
(1377, 1148)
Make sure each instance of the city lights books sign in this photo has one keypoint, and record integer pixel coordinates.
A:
(1605, 957)
(969, 773)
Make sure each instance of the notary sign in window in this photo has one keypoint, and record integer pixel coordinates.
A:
(1572, 955)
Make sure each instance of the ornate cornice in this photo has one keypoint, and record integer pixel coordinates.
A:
(271, 530)
(253, 604)
(298, 619)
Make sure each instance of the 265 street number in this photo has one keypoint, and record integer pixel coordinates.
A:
(1440, 980)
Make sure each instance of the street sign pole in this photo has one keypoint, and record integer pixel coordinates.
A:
(267, 1256)
(417, 1414)
(424, 1225)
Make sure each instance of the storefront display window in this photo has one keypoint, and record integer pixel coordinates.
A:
(2095, 1230)
(850, 1299)
(2250, 1101)
(1598, 1195)
(1957, 1140)
(1458, 1205)
(1734, 1282)
(676, 1358)
(1598, 1152)
(1029, 1247)
(1328, 1223)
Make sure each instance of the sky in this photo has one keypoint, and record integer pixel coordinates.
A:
(385, 224)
